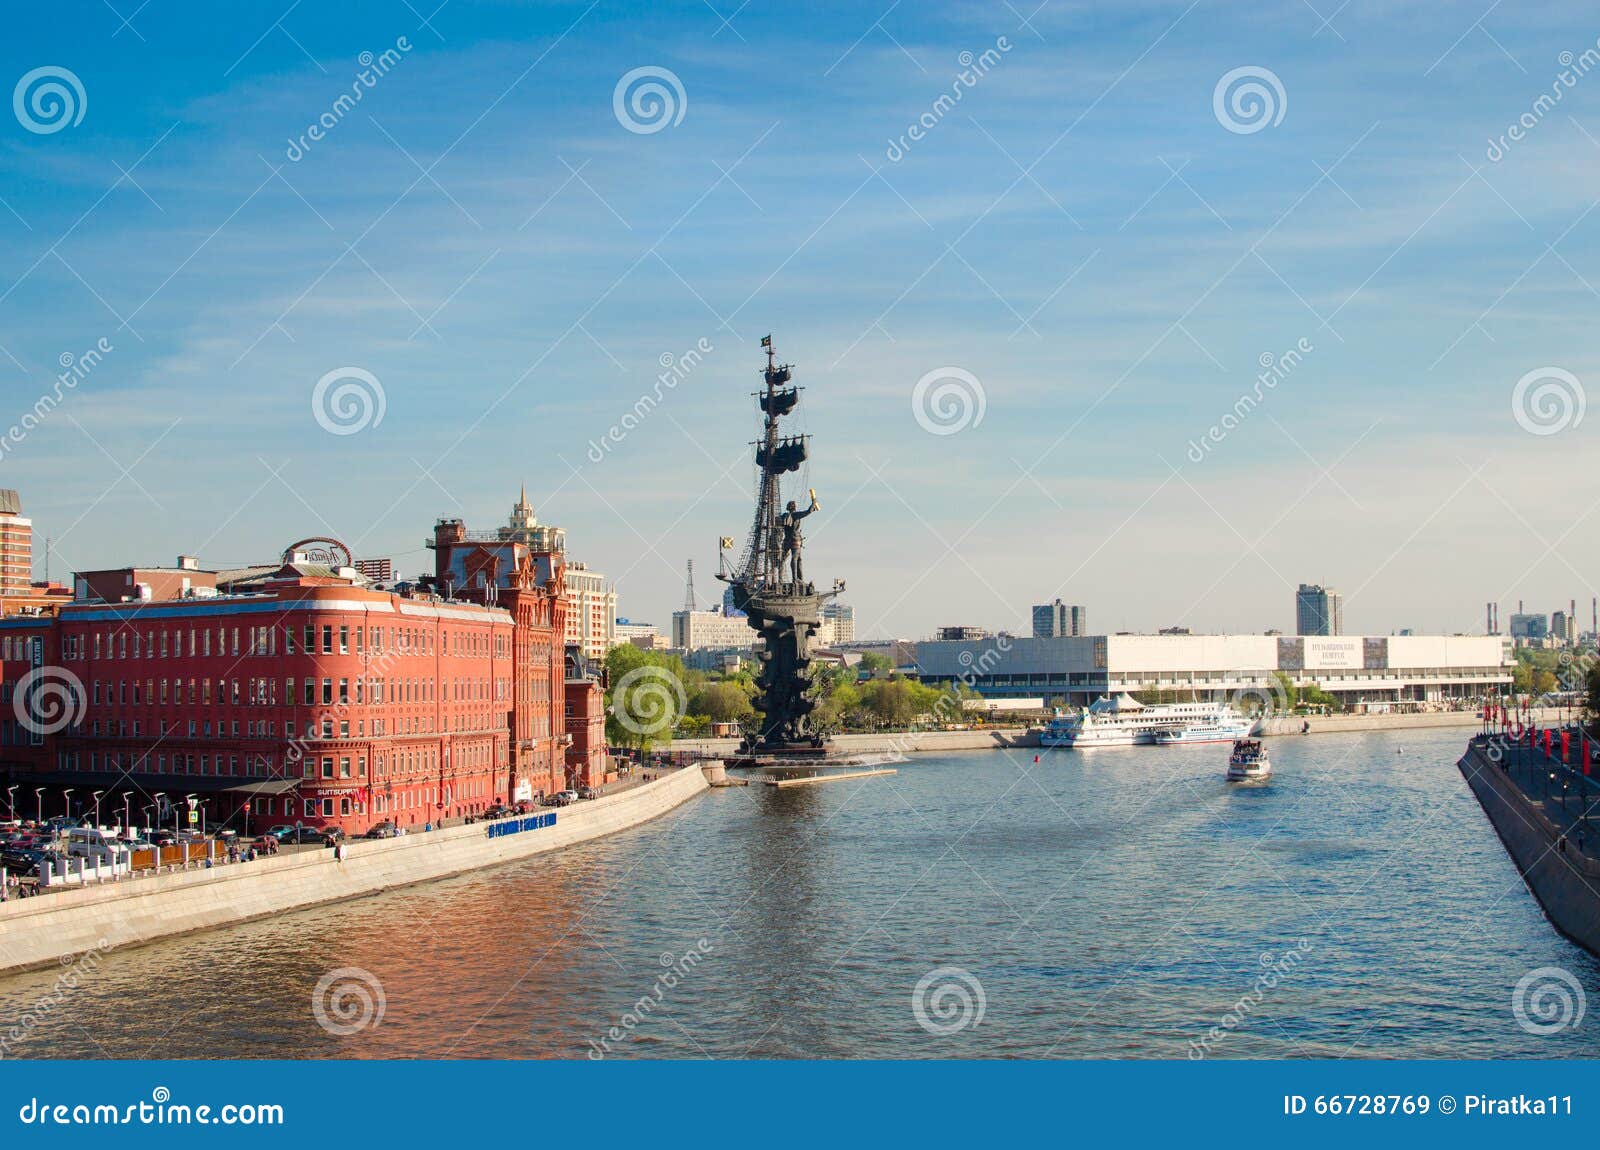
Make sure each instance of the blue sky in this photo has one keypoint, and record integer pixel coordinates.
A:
(1081, 234)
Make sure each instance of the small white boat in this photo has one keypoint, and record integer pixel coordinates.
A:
(1249, 762)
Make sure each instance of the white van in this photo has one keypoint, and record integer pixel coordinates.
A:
(89, 843)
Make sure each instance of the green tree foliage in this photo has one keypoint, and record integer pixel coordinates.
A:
(724, 702)
(876, 665)
(645, 696)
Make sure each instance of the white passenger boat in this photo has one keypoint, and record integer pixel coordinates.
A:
(1249, 762)
(1123, 721)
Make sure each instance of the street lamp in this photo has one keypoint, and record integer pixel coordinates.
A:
(189, 802)
(127, 813)
(11, 803)
(160, 803)
(38, 793)
(97, 795)
(66, 801)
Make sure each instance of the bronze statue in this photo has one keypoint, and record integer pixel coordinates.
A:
(793, 541)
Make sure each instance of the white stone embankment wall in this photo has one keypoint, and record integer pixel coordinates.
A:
(1566, 884)
(40, 930)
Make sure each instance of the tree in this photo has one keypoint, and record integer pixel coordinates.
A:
(1593, 686)
(876, 665)
(644, 698)
(1544, 681)
(724, 702)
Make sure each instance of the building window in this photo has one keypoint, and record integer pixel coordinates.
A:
(327, 766)
(327, 691)
(344, 766)
(344, 639)
(327, 638)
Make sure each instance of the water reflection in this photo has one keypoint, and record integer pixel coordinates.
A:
(1118, 904)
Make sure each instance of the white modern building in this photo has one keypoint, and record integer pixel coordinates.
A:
(842, 616)
(627, 631)
(1356, 669)
(695, 630)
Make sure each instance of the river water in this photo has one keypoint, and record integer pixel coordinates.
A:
(1117, 903)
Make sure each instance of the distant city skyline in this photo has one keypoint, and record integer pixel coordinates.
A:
(1081, 332)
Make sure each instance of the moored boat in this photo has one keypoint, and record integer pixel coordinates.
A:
(1123, 721)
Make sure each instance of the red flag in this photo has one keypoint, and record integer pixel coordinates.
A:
(1547, 742)
(1566, 746)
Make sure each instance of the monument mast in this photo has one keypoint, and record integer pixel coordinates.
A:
(769, 582)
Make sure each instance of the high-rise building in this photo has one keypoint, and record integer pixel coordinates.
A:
(843, 618)
(1526, 626)
(626, 631)
(1054, 620)
(377, 570)
(16, 547)
(591, 612)
(1564, 626)
(1318, 610)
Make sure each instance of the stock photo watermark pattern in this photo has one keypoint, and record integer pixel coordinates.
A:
(948, 400)
(49, 99)
(649, 99)
(348, 400)
(348, 1000)
(1548, 401)
(1249, 99)
(947, 1000)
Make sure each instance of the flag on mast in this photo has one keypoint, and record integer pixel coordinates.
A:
(766, 341)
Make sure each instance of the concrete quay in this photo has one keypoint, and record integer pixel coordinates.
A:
(1542, 841)
(49, 927)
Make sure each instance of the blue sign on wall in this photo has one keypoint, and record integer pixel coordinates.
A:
(517, 826)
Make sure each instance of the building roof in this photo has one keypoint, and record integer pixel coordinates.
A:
(10, 501)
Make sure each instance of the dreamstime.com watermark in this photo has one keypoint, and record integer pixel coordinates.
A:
(373, 69)
(1548, 400)
(947, 1000)
(973, 69)
(77, 368)
(674, 370)
(47, 700)
(1248, 99)
(74, 969)
(348, 400)
(1274, 969)
(648, 699)
(348, 1000)
(648, 99)
(1274, 370)
(948, 400)
(159, 1110)
(48, 99)
(1547, 1001)
(1573, 69)
(675, 968)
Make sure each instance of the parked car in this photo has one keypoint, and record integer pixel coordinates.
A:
(559, 799)
(164, 838)
(496, 812)
(22, 860)
(570, 795)
(588, 793)
(306, 836)
(383, 830)
(280, 830)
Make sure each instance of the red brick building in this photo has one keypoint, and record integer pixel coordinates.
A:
(309, 696)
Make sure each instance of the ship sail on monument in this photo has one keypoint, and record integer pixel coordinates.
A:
(769, 581)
